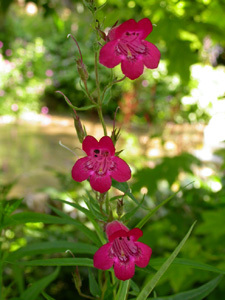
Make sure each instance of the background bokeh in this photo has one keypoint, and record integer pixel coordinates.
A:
(172, 119)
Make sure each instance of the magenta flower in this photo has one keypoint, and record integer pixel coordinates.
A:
(123, 251)
(100, 164)
(127, 46)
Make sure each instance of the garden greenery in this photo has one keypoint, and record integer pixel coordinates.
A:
(112, 253)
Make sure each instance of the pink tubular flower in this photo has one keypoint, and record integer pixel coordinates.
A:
(123, 251)
(100, 164)
(127, 45)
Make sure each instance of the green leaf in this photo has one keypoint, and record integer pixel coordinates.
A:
(107, 96)
(132, 212)
(51, 247)
(91, 217)
(93, 285)
(47, 297)
(188, 263)
(85, 262)
(31, 217)
(75, 107)
(151, 283)
(124, 187)
(36, 288)
(123, 290)
(12, 206)
(195, 294)
(134, 286)
(154, 210)
(95, 212)
(101, 6)
(89, 233)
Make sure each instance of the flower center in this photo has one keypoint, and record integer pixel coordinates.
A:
(130, 46)
(100, 162)
(124, 248)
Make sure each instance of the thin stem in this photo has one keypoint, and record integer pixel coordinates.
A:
(99, 108)
(78, 47)
(96, 78)
(113, 283)
(107, 204)
(1, 267)
(88, 94)
(104, 288)
(102, 119)
(111, 84)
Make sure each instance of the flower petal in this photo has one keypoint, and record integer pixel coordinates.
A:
(143, 258)
(124, 271)
(79, 170)
(100, 183)
(108, 56)
(136, 233)
(113, 227)
(151, 60)
(122, 171)
(117, 32)
(102, 258)
(89, 143)
(107, 143)
(132, 68)
(144, 26)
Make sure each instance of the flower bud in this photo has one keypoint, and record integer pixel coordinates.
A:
(77, 279)
(119, 207)
(82, 70)
(90, 5)
(79, 128)
(115, 135)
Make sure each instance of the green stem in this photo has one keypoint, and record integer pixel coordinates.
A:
(102, 119)
(88, 94)
(1, 268)
(96, 78)
(99, 109)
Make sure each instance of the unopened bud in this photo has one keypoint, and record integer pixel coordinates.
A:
(79, 128)
(77, 279)
(115, 135)
(102, 34)
(82, 70)
(119, 207)
(90, 5)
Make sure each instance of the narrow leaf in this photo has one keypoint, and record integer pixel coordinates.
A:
(195, 294)
(75, 107)
(123, 290)
(85, 262)
(151, 283)
(188, 263)
(93, 285)
(12, 206)
(107, 96)
(47, 297)
(124, 187)
(90, 216)
(89, 233)
(36, 288)
(51, 247)
(132, 212)
(154, 210)
(31, 217)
